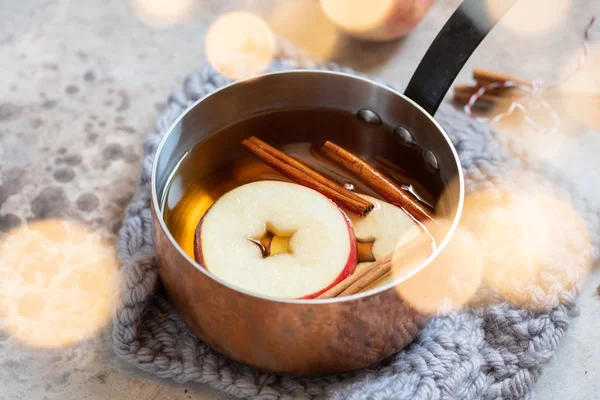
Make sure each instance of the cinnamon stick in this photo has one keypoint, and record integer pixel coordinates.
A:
(484, 76)
(288, 167)
(501, 91)
(304, 168)
(377, 181)
(389, 169)
(371, 273)
(364, 276)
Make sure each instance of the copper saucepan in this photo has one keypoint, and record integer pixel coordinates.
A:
(310, 337)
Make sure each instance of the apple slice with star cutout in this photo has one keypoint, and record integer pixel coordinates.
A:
(277, 239)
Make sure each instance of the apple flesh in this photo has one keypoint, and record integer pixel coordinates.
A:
(380, 233)
(320, 251)
(387, 227)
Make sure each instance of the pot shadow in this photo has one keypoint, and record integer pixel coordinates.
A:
(362, 55)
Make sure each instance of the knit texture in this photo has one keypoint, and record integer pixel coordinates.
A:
(491, 352)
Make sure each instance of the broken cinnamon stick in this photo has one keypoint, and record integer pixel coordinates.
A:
(377, 181)
(300, 174)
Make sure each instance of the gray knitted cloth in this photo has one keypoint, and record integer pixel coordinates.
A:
(493, 352)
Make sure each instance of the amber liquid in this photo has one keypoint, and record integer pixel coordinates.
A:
(190, 194)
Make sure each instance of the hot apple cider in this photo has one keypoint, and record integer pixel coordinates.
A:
(298, 220)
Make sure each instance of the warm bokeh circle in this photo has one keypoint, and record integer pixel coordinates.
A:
(57, 283)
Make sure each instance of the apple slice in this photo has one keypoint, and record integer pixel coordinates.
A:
(386, 227)
(320, 252)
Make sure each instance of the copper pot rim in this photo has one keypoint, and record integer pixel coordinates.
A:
(159, 215)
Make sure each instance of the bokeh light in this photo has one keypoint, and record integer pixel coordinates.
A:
(449, 281)
(535, 248)
(358, 16)
(580, 93)
(239, 45)
(530, 17)
(377, 20)
(303, 23)
(409, 252)
(57, 282)
(163, 13)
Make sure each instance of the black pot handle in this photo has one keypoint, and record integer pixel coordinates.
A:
(451, 49)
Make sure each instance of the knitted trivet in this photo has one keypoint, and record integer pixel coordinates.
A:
(493, 352)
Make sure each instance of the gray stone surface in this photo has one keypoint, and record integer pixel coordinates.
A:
(83, 81)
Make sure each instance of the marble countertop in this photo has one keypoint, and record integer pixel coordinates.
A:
(83, 81)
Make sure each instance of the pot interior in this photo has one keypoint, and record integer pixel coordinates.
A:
(201, 158)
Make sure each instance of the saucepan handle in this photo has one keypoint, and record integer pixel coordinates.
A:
(451, 49)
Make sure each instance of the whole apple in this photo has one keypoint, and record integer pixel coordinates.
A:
(376, 20)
